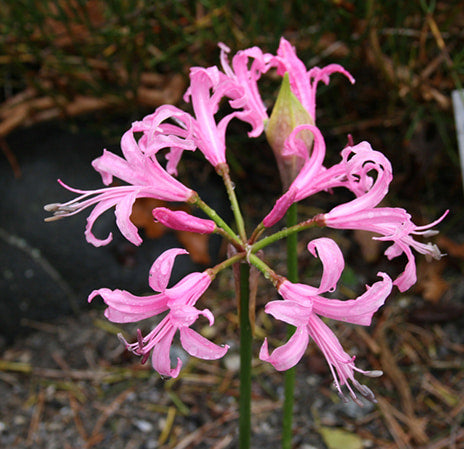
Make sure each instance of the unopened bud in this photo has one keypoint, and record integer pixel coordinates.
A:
(287, 114)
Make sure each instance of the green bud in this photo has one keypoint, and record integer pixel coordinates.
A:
(287, 113)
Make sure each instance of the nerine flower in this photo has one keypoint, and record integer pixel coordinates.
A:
(179, 301)
(207, 88)
(243, 88)
(354, 172)
(146, 179)
(391, 224)
(304, 82)
(158, 134)
(302, 307)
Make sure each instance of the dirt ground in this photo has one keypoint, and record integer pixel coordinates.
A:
(70, 384)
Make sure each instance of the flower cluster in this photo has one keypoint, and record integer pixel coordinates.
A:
(300, 149)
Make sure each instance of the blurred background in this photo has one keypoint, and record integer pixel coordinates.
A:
(74, 74)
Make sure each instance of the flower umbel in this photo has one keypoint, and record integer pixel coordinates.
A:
(300, 149)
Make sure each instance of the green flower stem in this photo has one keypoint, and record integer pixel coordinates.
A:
(245, 359)
(225, 264)
(268, 272)
(256, 233)
(223, 171)
(284, 233)
(227, 231)
(289, 382)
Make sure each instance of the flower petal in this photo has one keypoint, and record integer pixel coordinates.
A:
(123, 212)
(161, 359)
(198, 346)
(332, 262)
(126, 307)
(288, 355)
(160, 271)
(290, 312)
(356, 311)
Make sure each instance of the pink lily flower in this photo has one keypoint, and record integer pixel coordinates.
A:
(147, 178)
(207, 88)
(353, 173)
(157, 134)
(304, 83)
(179, 301)
(244, 77)
(302, 307)
(182, 221)
(393, 224)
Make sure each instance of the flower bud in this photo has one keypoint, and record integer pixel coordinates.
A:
(182, 221)
(288, 113)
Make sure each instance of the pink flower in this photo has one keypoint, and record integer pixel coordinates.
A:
(179, 301)
(301, 307)
(182, 221)
(207, 88)
(304, 83)
(146, 176)
(391, 224)
(354, 173)
(244, 77)
(157, 134)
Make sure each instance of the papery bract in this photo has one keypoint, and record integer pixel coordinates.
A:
(301, 307)
(287, 115)
(179, 301)
(148, 179)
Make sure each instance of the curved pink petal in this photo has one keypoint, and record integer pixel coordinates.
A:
(136, 308)
(289, 311)
(314, 163)
(160, 271)
(160, 358)
(301, 293)
(244, 76)
(303, 83)
(123, 212)
(364, 160)
(288, 355)
(189, 289)
(359, 310)
(101, 207)
(198, 346)
(332, 262)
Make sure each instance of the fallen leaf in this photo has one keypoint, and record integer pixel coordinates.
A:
(338, 438)
(196, 245)
(142, 217)
(430, 281)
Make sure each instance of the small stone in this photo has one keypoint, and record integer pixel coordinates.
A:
(143, 426)
(232, 362)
